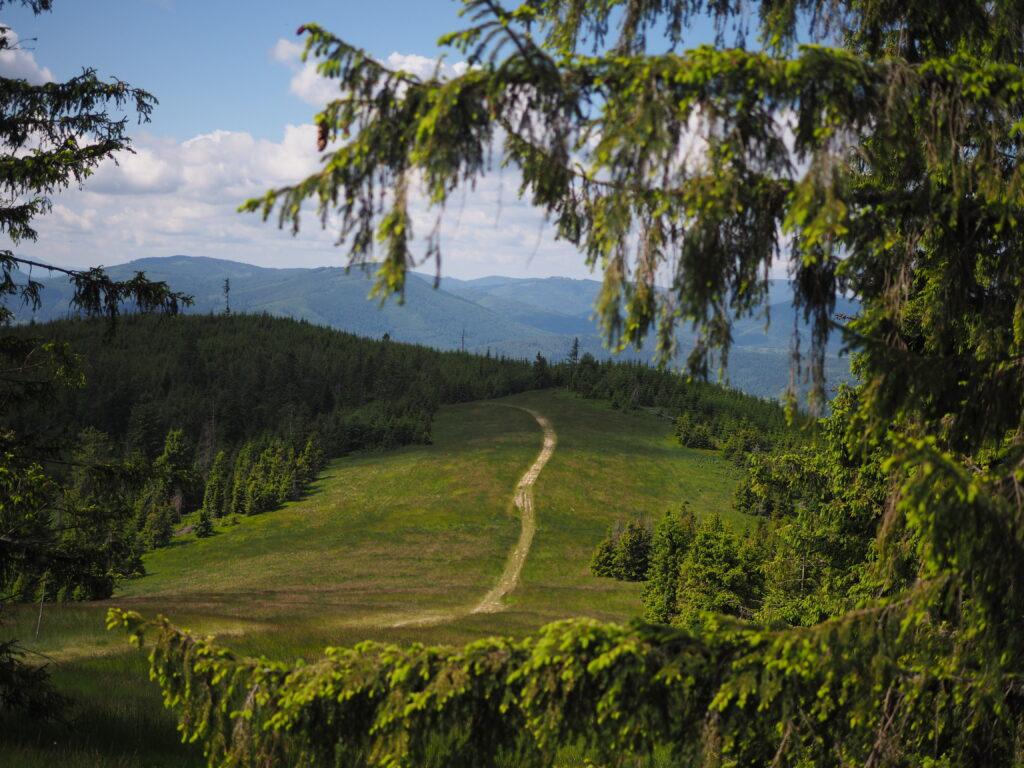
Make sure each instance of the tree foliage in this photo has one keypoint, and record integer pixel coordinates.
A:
(625, 553)
(225, 380)
(673, 536)
(53, 135)
(886, 162)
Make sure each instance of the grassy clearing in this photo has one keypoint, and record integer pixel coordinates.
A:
(380, 537)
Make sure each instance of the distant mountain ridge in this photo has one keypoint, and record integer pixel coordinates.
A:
(509, 316)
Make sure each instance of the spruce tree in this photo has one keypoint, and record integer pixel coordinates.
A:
(712, 577)
(602, 563)
(214, 495)
(632, 552)
(671, 541)
(158, 526)
(173, 470)
(204, 524)
(240, 479)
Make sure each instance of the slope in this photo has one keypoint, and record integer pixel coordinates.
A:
(419, 528)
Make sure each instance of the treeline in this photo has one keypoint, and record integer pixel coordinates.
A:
(223, 380)
(114, 507)
(706, 416)
(721, 411)
(810, 557)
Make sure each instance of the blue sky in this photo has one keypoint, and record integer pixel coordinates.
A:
(235, 118)
(209, 62)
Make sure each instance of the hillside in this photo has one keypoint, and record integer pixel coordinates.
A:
(230, 378)
(507, 316)
(381, 537)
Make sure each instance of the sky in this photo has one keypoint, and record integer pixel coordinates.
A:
(235, 118)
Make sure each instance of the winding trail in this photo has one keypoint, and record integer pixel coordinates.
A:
(509, 579)
(493, 601)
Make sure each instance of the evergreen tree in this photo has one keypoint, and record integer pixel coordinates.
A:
(215, 493)
(692, 433)
(287, 481)
(712, 577)
(204, 525)
(574, 352)
(669, 546)
(158, 526)
(173, 469)
(632, 552)
(541, 372)
(623, 554)
(602, 563)
(240, 479)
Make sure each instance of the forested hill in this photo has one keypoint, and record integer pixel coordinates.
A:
(225, 379)
(181, 420)
(508, 316)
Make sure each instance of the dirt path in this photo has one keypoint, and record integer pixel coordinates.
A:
(509, 579)
(493, 601)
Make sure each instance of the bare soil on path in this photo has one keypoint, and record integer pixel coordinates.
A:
(494, 600)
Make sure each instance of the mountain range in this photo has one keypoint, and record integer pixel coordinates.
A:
(516, 317)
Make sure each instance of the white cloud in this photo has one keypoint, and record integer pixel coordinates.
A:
(286, 51)
(182, 198)
(308, 85)
(306, 82)
(424, 67)
(146, 171)
(313, 89)
(20, 63)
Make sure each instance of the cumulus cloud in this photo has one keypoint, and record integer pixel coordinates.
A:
(147, 171)
(308, 85)
(176, 197)
(306, 82)
(181, 197)
(20, 63)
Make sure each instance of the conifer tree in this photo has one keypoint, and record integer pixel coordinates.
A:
(632, 552)
(204, 524)
(602, 563)
(287, 482)
(173, 469)
(158, 525)
(214, 495)
(712, 577)
(240, 479)
(669, 546)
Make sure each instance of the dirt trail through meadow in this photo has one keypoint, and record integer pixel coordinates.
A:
(493, 601)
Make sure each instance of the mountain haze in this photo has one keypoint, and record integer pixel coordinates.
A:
(516, 317)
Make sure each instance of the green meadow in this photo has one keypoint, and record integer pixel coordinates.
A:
(381, 539)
